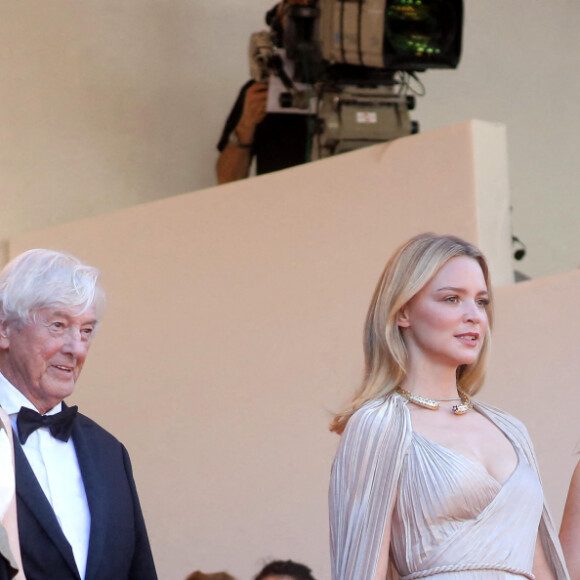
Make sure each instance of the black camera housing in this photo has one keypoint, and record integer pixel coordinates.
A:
(417, 35)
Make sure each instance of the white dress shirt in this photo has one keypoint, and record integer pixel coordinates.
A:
(57, 470)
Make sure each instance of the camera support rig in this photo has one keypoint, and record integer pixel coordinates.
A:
(350, 117)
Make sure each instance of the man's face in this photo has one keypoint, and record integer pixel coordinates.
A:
(44, 359)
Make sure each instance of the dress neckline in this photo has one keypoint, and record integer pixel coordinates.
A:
(476, 409)
(471, 461)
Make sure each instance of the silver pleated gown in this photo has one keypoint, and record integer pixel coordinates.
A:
(450, 519)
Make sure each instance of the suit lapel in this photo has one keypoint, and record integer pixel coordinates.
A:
(30, 493)
(97, 498)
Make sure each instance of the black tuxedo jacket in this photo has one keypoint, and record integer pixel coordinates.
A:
(4, 569)
(118, 545)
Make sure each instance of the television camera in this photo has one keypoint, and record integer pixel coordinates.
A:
(357, 59)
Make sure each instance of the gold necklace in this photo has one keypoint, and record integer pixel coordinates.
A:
(433, 404)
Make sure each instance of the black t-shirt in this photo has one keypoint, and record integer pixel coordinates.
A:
(281, 140)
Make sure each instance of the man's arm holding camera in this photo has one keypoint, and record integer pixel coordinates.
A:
(236, 153)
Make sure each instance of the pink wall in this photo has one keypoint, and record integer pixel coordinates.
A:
(234, 330)
(535, 370)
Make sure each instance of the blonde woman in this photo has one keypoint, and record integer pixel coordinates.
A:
(426, 481)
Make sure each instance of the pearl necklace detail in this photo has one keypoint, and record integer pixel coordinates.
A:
(433, 404)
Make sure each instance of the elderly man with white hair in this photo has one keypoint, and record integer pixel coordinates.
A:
(79, 515)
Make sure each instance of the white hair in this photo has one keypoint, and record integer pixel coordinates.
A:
(42, 278)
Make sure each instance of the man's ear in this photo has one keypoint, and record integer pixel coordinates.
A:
(4, 340)
(403, 320)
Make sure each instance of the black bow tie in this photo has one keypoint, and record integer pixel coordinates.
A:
(60, 424)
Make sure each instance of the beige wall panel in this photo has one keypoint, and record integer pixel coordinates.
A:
(234, 330)
(535, 370)
(493, 200)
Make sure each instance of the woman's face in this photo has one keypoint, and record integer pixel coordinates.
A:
(446, 322)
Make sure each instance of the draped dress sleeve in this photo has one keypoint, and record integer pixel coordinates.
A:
(363, 485)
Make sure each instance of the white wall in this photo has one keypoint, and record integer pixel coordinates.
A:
(108, 103)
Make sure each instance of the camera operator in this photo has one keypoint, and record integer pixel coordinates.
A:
(277, 140)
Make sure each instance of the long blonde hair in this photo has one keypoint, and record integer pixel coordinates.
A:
(407, 272)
